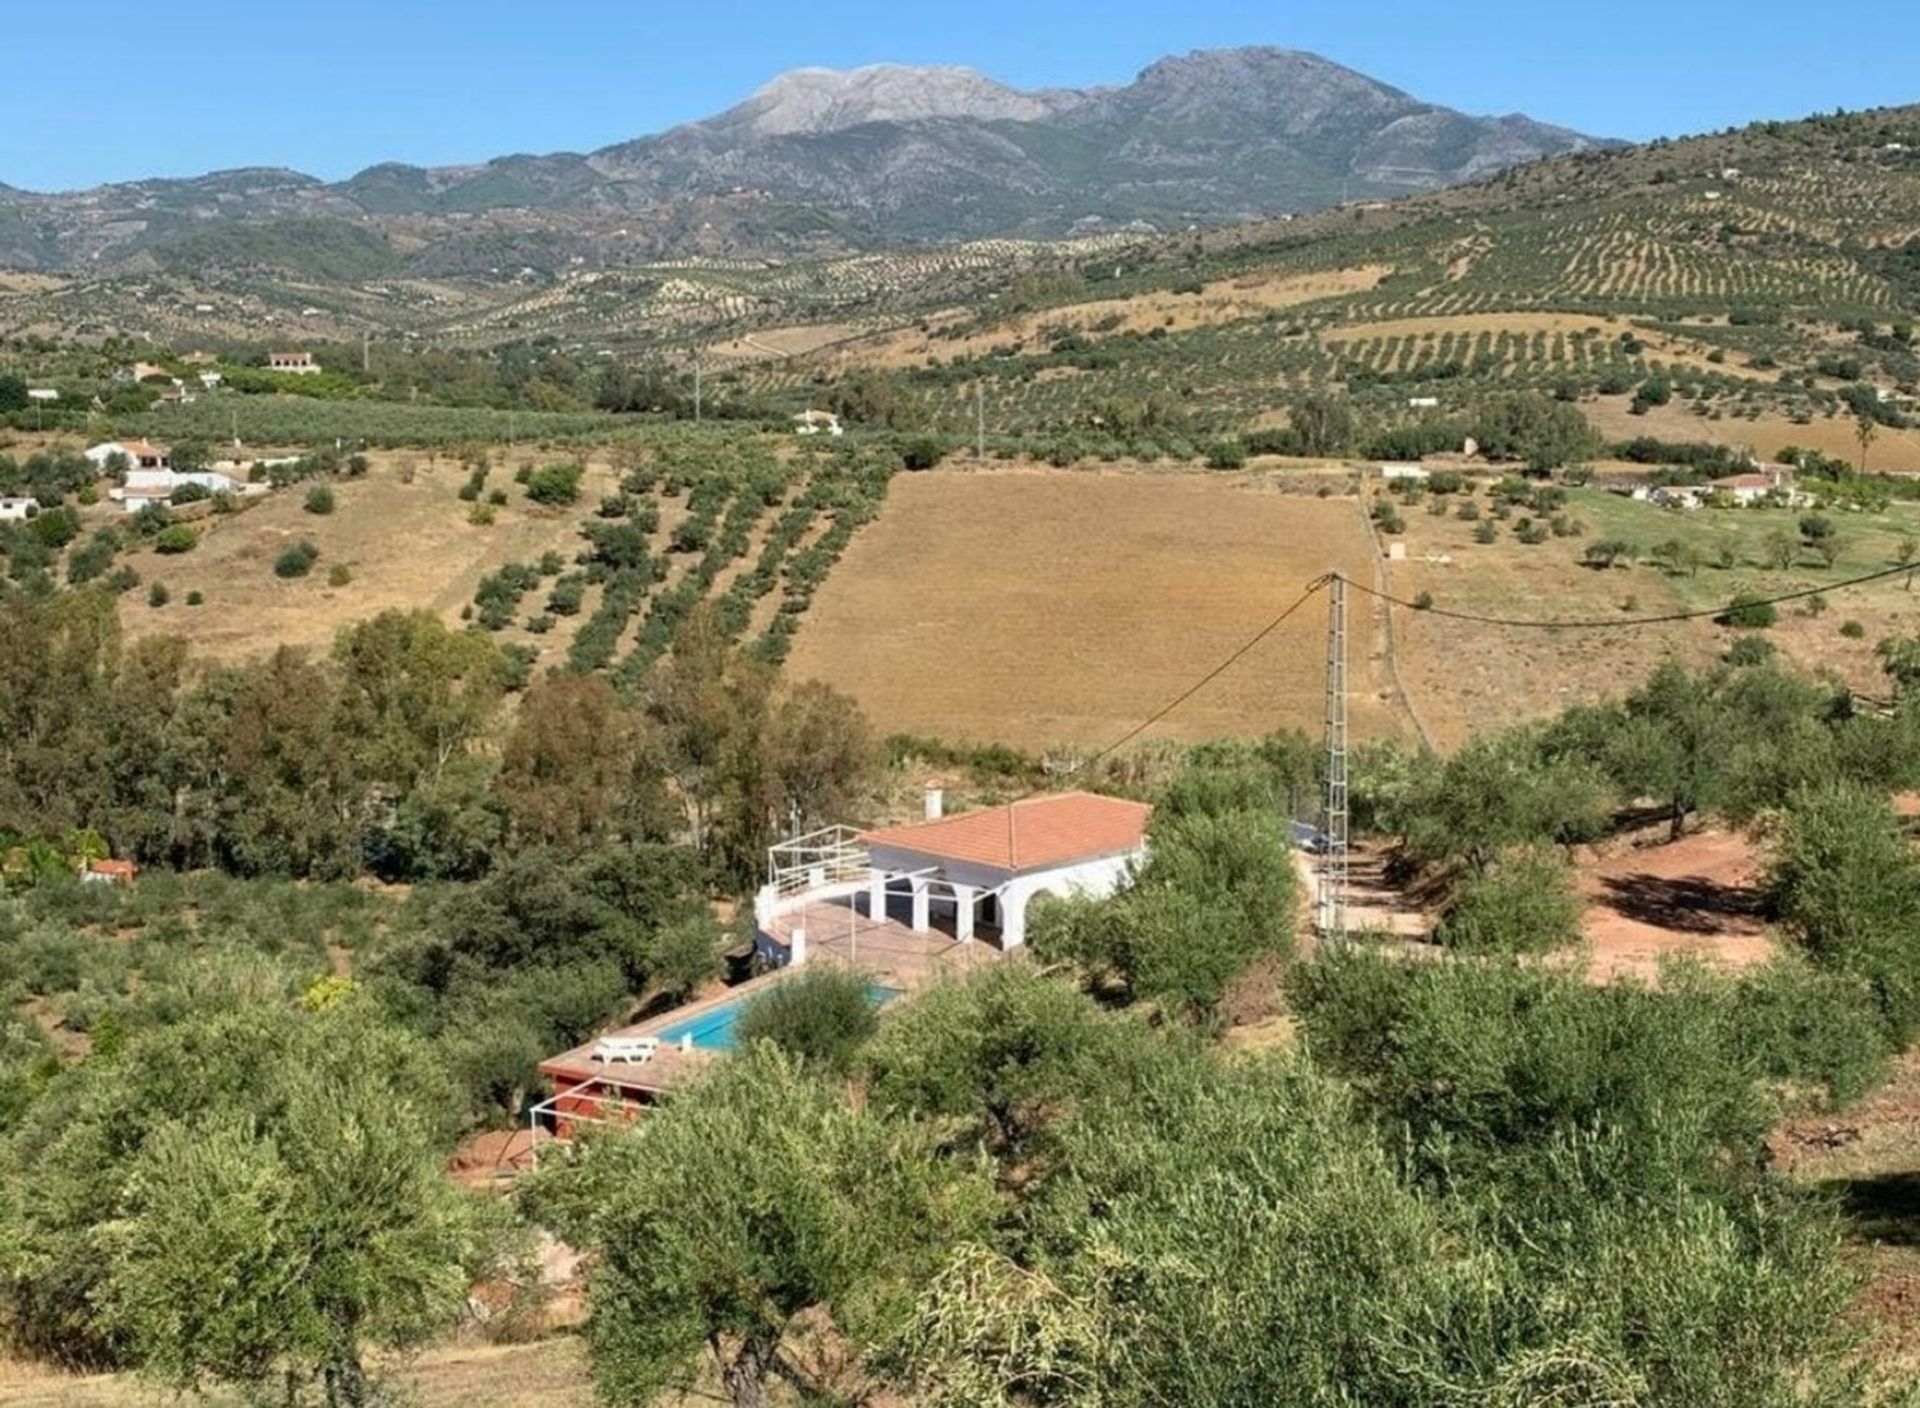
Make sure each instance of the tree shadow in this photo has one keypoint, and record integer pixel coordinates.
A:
(1884, 1206)
(1684, 904)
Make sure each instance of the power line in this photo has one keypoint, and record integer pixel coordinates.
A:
(1218, 670)
(1608, 623)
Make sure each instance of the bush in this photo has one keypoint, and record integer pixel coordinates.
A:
(1853, 630)
(1226, 454)
(1846, 885)
(158, 595)
(339, 575)
(923, 452)
(1750, 613)
(319, 500)
(1525, 904)
(821, 1015)
(175, 538)
(557, 483)
(480, 515)
(1750, 650)
(195, 598)
(297, 560)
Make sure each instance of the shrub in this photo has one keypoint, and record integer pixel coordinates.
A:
(480, 515)
(158, 595)
(1846, 885)
(297, 560)
(557, 483)
(821, 1015)
(922, 452)
(1750, 650)
(1226, 454)
(1853, 630)
(339, 575)
(175, 538)
(1525, 904)
(319, 500)
(195, 598)
(1749, 612)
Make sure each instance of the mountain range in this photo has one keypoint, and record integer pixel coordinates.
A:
(821, 159)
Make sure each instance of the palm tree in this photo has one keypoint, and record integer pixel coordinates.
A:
(1865, 429)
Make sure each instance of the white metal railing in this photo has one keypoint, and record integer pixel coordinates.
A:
(607, 1109)
(833, 855)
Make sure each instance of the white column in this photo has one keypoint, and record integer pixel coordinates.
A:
(963, 901)
(922, 920)
(876, 894)
(1013, 917)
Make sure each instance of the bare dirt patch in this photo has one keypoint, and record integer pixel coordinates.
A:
(1037, 607)
(1697, 897)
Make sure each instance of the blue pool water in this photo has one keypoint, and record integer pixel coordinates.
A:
(712, 1030)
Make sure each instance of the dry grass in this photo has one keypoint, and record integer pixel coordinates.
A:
(1222, 301)
(546, 1374)
(1465, 677)
(1039, 607)
(407, 545)
(1765, 436)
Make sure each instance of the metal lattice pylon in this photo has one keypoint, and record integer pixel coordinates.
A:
(1333, 861)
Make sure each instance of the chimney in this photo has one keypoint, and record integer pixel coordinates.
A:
(936, 801)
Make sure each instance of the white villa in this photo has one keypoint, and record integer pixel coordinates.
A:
(292, 363)
(14, 510)
(973, 875)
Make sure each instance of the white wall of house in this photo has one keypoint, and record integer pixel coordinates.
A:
(18, 510)
(932, 881)
(147, 482)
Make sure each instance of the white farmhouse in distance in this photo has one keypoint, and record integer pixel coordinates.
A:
(817, 423)
(1398, 473)
(139, 454)
(15, 510)
(292, 363)
(43, 394)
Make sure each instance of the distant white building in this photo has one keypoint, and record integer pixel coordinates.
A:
(43, 393)
(1423, 403)
(1399, 473)
(18, 510)
(139, 454)
(292, 363)
(209, 379)
(817, 423)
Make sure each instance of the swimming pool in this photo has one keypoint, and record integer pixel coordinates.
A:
(712, 1030)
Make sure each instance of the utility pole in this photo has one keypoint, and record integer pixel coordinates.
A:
(366, 351)
(1333, 862)
(696, 388)
(979, 420)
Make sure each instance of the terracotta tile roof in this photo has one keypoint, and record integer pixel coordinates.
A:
(1027, 835)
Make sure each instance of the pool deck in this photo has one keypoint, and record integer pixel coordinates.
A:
(890, 953)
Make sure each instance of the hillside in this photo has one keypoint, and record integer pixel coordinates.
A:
(1770, 275)
(818, 157)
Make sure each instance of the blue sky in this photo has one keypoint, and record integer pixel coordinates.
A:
(124, 89)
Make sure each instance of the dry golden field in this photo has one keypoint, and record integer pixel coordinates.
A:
(1039, 607)
(1765, 436)
(1465, 677)
(406, 545)
(1221, 301)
